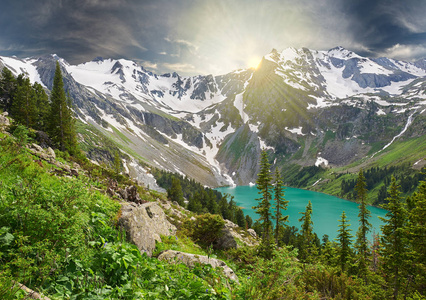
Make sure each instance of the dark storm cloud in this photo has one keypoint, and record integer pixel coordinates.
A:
(206, 36)
(80, 30)
(382, 24)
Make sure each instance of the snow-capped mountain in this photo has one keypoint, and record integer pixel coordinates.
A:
(309, 107)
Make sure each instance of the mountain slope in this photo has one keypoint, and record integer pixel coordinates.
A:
(307, 107)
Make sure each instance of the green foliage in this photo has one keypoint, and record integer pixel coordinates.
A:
(264, 181)
(280, 204)
(394, 240)
(364, 225)
(175, 192)
(200, 198)
(344, 238)
(7, 88)
(206, 229)
(416, 228)
(273, 278)
(307, 245)
(61, 122)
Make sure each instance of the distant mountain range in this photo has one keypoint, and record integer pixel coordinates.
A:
(309, 108)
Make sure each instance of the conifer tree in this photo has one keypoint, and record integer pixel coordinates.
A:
(61, 123)
(280, 205)
(7, 88)
(344, 238)
(394, 239)
(23, 107)
(175, 192)
(307, 233)
(117, 163)
(263, 182)
(241, 221)
(42, 107)
(364, 225)
(416, 229)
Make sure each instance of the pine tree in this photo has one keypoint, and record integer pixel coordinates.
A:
(344, 239)
(61, 123)
(7, 88)
(23, 106)
(42, 105)
(263, 182)
(394, 239)
(117, 163)
(175, 192)
(280, 205)
(241, 221)
(416, 229)
(307, 233)
(364, 225)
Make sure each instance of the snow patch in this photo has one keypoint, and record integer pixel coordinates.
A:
(320, 161)
(297, 130)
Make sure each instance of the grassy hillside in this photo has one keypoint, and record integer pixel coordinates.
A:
(403, 159)
(58, 236)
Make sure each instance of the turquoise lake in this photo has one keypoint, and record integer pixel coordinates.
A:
(326, 209)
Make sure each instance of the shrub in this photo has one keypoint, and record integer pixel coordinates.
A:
(205, 229)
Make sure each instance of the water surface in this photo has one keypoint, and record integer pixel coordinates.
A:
(326, 209)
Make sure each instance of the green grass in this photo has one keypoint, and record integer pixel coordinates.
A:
(402, 152)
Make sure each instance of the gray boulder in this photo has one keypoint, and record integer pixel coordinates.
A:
(192, 259)
(4, 121)
(144, 224)
(232, 233)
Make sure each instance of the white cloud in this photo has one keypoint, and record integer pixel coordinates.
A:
(149, 65)
(405, 52)
(179, 67)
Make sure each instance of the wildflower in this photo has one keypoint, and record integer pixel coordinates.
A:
(207, 290)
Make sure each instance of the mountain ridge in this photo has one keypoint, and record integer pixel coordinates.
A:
(305, 106)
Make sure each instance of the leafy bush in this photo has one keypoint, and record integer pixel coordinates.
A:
(205, 229)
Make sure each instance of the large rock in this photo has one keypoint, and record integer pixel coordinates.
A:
(144, 224)
(192, 259)
(232, 233)
(4, 121)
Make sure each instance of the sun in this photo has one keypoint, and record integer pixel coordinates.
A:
(254, 62)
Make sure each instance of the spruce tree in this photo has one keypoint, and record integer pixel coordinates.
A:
(344, 239)
(280, 205)
(175, 192)
(42, 105)
(307, 233)
(241, 221)
(364, 225)
(61, 123)
(23, 107)
(7, 88)
(394, 239)
(416, 229)
(263, 182)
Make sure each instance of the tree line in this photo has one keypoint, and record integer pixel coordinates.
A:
(396, 258)
(30, 106)
(377, 176)
(199, 199)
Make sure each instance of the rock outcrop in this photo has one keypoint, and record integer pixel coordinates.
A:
(144, 224)
(192, 259)
(4, 121)
(232, 233)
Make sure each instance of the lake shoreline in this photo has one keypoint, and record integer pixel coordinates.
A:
(327, 209)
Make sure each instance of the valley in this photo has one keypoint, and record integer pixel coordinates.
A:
(316, 112)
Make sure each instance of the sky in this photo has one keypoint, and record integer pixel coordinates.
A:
(215, 37)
